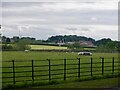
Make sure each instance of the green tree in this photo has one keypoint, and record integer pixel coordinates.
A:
(15, 38)
(7, 47)
(76, 45)
(108, 46)
(8, 40)
(3, 39)
(22, 45)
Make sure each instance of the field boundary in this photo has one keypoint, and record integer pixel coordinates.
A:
(63, 70)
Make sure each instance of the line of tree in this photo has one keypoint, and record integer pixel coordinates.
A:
(69, 38)
(19, 46)
(107, 45)
(17, 43)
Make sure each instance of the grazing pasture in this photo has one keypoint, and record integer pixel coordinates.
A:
(41, 65)
(44, 47)
(48, 47)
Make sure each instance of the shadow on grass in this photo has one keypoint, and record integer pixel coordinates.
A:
(55, 82)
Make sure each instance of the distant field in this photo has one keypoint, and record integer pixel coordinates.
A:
(47, 47)
(24, 59)
(89, 49)
(39, 47)
(35, 55)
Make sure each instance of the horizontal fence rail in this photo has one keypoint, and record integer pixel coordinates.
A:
(37, 70)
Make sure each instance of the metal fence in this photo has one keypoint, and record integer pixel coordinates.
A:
(90, 69)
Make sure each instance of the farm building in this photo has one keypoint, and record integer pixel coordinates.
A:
(86, 43)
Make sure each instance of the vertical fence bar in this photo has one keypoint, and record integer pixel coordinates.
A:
(32, 70)
(113, 65)
(78, 68)
(102, 66)
(49, 70)
(13, 71)
(91, 67)
(64, 69)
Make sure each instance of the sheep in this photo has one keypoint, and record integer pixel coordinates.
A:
(26, 51)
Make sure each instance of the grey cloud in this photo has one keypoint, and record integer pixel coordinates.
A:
(59, 0)
(71, 28)
(47, 23)
(78, 29)
(85, 29)
(45, 31)
(10, 31)
(67, 17)
(56, 17)
(39, 32)
(20, 4)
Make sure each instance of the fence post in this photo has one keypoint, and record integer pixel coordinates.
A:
(102, 66)
(64, 69)
(91, 67)
(49, 70)
(78, 68)
(113, 65)
(13, 72)
(32, 71)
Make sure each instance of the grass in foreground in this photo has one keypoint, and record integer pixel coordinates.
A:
(100, 83)
(18, 56)
(34, 55)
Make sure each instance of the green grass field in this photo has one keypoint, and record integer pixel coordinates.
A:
(44, 47)
(35, 55)
(47, 47)
(56, 58)
(91, 84)
(102, 83)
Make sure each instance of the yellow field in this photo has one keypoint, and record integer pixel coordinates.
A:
(41, 47)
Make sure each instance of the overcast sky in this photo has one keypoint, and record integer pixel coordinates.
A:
(44, 19)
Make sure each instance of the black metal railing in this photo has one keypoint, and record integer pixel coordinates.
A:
(67, 68)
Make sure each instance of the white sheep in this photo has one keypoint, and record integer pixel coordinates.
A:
(26, 51)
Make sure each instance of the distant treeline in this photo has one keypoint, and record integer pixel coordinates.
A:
(105, 43)
(56, 39)
(69, 38)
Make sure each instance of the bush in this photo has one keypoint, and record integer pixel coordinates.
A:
(22, 45)
(7, 47)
